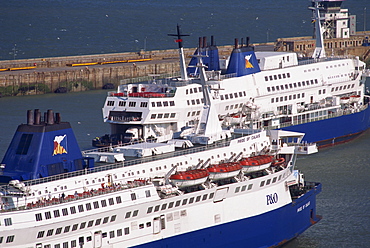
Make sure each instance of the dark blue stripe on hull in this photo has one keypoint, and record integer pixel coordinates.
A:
(334, 130)
(266, 230)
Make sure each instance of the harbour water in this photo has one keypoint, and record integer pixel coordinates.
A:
(45, 28)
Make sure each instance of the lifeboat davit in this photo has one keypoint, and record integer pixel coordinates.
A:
(344, 100)
(278, 162)
(224, 170)
(354, 98)
(189, 178)
(256, 163)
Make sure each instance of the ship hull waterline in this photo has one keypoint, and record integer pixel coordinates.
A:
(271, 229)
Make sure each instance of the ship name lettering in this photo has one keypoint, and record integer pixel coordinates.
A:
(272, 198)
(256, 136)
(303, 207)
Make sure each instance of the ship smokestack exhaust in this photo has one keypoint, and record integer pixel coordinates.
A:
(236, 43)
(30, 117)
(200, 42)
(57, 118)
(247, 41)
(50, 117)
(37, 115)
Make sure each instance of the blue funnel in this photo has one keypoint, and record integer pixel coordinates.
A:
(243, 62)
(210, 59)
(42, 148)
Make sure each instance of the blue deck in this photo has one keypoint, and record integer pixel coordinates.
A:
(267, 230)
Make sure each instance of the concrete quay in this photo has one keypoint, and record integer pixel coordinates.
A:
(56, 74)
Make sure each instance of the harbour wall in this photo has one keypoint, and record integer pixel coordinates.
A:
(56, 74)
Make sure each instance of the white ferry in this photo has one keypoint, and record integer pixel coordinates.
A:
(321, 96)
(225, 191)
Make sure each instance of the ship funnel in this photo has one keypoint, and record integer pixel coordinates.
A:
(243, 60)
(41, 149)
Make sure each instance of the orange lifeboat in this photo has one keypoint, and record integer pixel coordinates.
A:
(256, 163)
(278, 162)
(189, 178)
(224, 170)
(146, 94)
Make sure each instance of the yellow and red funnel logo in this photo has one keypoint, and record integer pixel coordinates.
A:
(59, 145)
(248, 64)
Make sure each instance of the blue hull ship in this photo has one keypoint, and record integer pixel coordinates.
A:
(337, 130)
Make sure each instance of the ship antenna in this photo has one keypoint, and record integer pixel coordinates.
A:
(179, 36)
(319, 49)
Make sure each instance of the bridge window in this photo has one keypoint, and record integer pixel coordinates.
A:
(131, 104)
(143, 104)
(8, 221)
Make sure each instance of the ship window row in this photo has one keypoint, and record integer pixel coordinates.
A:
(306, 117)
(178, 203)
(195, 101)
(193, 90)
(163, 104)
(164, 116)
(99, 180)
(233, 95)
(286, 98)
(335, 66)
(277, 76)
(142, 104)
(55, 189)
(194, 113)
(9, 239)
(268, 181)
(72, 209)
(233, 106)
(76, 226)
(112, 234)
(340, 75)
(292, 85)
(342, 87)
(322, 91)
(151, 170)
(313, 69)
(243, 188)
(8, 221)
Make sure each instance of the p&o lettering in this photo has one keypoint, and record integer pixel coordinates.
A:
(272, 198)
